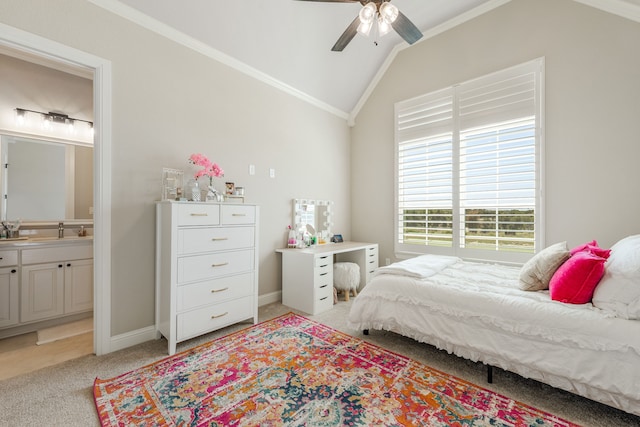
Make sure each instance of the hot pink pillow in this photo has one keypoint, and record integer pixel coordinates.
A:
(593, 248)
(576, 279)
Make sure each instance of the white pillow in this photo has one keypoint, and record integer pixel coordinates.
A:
(536, 273)
(619, 290)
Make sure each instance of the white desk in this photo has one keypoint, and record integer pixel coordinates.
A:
(307, 274)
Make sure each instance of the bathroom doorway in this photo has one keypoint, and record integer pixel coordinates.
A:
(46, 51)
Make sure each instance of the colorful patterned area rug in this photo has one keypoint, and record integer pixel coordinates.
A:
(292, 371)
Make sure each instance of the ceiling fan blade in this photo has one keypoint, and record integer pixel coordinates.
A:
(406, 29)
(347, 36)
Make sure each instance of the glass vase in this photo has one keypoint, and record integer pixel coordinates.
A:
(195, 191)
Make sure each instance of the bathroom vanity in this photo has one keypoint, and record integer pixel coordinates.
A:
(44, 279)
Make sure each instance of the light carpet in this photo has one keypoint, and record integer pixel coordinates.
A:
(66, 330)
(293, 371)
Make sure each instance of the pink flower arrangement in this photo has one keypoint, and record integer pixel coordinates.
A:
(212, 170)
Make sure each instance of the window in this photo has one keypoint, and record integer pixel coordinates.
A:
(469, 167)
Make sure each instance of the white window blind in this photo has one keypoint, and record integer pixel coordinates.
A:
(468, 164)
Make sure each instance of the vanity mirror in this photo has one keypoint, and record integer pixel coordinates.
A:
(313, 215)
(45, 180)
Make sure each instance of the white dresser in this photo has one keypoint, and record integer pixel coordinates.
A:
(206, 267)
(307, 274)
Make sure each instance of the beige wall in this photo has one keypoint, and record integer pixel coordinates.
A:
(592, 114)
(170, 102)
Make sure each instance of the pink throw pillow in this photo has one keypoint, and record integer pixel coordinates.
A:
(593, 248)
(575, 281)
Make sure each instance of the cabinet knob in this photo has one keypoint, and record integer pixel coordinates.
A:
(14, 271)
(238, 214)
(219, 239)
(213, 291)
(199, 214)
(60, 266)
(69, 265)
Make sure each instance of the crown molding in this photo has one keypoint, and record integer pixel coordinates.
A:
(172, 34)
(617, 7)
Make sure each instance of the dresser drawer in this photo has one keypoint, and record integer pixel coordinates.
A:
(214, 291)
(201, 320)
(209, 266)
(194, 240)
(8, 258)
(198, 214)
(238, 214)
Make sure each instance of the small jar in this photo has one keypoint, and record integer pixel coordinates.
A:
(195, 191)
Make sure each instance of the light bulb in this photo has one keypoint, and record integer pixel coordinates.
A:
(383, 26)
(20, 113)
(367, 13)
(388, 12)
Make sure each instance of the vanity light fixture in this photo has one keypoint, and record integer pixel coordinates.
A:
(50, 117)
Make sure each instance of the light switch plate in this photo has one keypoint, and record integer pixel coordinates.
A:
(252, 169)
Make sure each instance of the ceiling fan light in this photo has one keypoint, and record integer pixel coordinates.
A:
(365, 28)
(383, 27)
(388, 12)
(368, 13)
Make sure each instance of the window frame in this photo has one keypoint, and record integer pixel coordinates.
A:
(403, 250)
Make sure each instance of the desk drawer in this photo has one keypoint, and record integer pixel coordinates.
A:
(323, 299)
(209, 318)
(238, 214)
(214, 291)
(322, 261)
(209, 266)
(194, 240)
(198, 214)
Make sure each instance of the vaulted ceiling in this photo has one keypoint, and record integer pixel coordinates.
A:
(288, 42)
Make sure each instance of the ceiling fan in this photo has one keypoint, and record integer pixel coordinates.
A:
(379, 12)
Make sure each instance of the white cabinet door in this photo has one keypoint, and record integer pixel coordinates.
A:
(42, 293)
(9, 302)
(78, 286)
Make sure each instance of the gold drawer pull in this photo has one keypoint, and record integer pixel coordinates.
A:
(222, 264)
(219, 239)
(200, 214)
(213, 291)
(219, 315)
(238, 214)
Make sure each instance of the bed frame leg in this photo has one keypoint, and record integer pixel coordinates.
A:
(489, 374)
(365, 331)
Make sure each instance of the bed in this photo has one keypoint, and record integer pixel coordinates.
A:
(480, 311)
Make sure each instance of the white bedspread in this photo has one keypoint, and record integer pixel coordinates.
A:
(477, 311)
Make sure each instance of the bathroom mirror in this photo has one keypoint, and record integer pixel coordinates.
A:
(315, 213)
(45, 180)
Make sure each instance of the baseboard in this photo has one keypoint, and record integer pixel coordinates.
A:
(142, 335)
(132, 338)
(269, 298)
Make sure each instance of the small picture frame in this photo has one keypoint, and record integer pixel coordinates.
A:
(337, 238)
(172, 184)
(229, 188)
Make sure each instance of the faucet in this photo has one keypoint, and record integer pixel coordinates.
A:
(60, 230)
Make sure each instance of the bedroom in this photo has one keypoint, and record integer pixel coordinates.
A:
(163, 111)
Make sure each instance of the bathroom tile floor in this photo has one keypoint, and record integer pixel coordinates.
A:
(20, 354)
